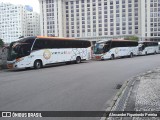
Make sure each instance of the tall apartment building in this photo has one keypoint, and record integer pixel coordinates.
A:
(100, 19)
(150, 18)
(17, 21)
(33, 23)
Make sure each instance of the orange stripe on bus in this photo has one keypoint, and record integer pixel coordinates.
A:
(60, 38)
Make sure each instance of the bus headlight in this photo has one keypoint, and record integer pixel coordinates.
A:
(19, 59)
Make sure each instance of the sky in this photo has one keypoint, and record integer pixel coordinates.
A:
(33, 3)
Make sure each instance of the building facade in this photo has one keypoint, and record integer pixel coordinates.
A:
(17, 21)
(33, 23)
(150, 22)
(100, 19)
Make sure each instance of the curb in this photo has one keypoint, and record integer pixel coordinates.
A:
(119, 95)
(123, 94)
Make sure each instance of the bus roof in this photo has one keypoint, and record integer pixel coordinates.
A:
(31, 38)
(123, 40)
(148, 42)
(116, 40)
(59, 38)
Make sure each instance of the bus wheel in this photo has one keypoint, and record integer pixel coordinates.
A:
(155, 52)
(131, 55)
(112, 57)
(78, 60)
(146, 53)
(37, 64)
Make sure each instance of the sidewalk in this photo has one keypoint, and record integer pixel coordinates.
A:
(141, 94)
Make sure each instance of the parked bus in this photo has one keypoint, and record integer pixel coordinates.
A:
(40, 51)
(148, 47)
(114, 49)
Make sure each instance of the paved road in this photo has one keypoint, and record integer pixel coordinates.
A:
(77, 87)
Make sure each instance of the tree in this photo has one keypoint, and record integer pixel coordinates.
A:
(135, 38)
(1, 42)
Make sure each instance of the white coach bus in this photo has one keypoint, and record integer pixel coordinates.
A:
(40, 51)
(148, 47)
(114, 49)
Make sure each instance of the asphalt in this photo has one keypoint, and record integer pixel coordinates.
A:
(89, 86)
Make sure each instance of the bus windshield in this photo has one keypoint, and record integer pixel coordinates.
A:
(99, 48)
(19, 49)
(141, 47)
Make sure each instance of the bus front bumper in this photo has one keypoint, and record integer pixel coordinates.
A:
(98, 57)
(14, 65)
(140, 53)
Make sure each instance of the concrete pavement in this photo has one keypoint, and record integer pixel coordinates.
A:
(142, 95)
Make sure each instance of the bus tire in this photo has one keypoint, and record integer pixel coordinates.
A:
(131, 55)
(38, 64)
(112, 57)
(155, 52)
(146, 53)
(78, 60)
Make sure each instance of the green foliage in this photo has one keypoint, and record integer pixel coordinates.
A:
(135, 38)
(1, 42)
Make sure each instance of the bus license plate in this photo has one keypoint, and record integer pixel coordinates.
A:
(98, 57)
(10, 66)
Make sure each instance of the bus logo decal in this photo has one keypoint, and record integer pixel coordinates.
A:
(47, 54)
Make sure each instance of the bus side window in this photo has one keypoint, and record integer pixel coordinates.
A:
(156, 44)
(46, 44)
(112, 45)
(106, 48)
(118, 44)
(128, 44)
(87, 44)
(74, 44)
(60, 44)
(39, 44)
(68, 44)
(147, 44)
(35, 47)
(54, 43)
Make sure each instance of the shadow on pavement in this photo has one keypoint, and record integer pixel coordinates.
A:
(47, 66)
